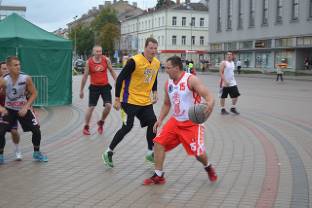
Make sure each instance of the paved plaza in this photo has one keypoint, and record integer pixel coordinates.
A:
(262, 157)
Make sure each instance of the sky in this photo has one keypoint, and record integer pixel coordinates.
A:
(53, 14)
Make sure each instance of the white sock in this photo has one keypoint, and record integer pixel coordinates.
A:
(109, 150)
(17, 148)
(159, 172)
(233, 106)
(149, 152)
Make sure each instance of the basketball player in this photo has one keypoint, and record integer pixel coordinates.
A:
(134, 86)
(182, 90)
(17, 107)
(97, 67)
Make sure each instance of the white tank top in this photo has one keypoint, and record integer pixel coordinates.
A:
(229, 73)
(15, 93)
(181, 97)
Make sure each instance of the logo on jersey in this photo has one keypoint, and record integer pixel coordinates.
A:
(148, 75)
(170, 88)
(182, 86)
(99, 68)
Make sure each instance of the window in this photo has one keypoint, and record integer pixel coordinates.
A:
(158, 21)
(174, 40)
(183, 40)
(229, 14)
(251, 13)
(245, 45)
(284, 42)
(183, 21)
(304, 41)
(216, 46)
(193, 40)
(230, 46)
(279, 7)
(219, 16)
(201, 40)
(263, 43)
(295, 10)
(240, 15)
(265, 12)
(174, 21)
(201, 22)
(193, 21)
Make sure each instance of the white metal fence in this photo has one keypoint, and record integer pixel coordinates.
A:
(41, 84)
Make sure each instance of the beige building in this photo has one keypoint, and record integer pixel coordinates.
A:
(181, 29)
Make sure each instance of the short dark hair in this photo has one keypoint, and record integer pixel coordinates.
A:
(176, 61)
(9, 59)
(150, 39)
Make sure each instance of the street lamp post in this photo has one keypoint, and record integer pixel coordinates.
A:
(75, 39)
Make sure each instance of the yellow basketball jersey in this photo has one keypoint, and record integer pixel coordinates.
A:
(137, 89)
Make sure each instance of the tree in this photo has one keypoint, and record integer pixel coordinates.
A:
(106, 15)
(84, 39)
(108, 36)
(164, 3)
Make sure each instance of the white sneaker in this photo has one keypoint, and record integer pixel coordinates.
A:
(18, 156)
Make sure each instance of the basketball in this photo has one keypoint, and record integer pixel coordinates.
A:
(196, 113)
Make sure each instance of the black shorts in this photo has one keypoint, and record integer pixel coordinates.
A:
(145, 114)
(28, 122)
(96, 91)
(233, 91)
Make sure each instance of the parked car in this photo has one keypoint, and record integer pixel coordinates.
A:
(79, 65)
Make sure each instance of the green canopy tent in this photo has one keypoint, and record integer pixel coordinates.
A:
(44, 56)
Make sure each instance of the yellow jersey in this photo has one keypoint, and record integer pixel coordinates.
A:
(137, 89)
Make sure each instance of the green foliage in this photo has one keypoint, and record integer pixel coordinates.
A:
(107, 15)
(163, 3)
(108, 35)
(84, 39)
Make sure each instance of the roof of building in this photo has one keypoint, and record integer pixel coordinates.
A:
(12, 8)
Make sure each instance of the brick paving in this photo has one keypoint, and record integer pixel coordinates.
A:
(263, 156)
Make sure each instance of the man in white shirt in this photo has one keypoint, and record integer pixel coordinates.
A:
(228, 84)
(239, 66)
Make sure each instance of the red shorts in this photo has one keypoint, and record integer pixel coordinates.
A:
(186, 132)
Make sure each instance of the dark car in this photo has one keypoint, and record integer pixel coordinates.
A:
(79, 65)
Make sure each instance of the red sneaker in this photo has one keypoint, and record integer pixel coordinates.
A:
(211, 173)
(155, 179)
(100, 124)
(85, 130)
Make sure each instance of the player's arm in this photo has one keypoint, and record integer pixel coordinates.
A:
(197, 86)
(31, 89)
(221, 71)
(154, 91)
(110, 68)
(2, 87)
(84, 79)
(123, 75)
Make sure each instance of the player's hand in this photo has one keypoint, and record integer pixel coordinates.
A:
(156, 126)
(81, 95)
(23, 111)
(117, 104)
(3, 111)
(209, 107)
(154, 98)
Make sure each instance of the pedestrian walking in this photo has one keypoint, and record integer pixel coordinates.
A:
(228, 84)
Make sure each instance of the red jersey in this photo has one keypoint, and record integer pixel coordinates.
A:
(98, 71)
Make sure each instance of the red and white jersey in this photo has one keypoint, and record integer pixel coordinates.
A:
(181, 97)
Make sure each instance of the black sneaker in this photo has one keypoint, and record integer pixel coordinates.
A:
(224, 112)
(233, 110)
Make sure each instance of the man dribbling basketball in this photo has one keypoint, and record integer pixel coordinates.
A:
(182, 90)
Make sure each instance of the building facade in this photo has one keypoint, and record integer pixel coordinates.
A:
(7, 10)
(181, 29)
(261, 32)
